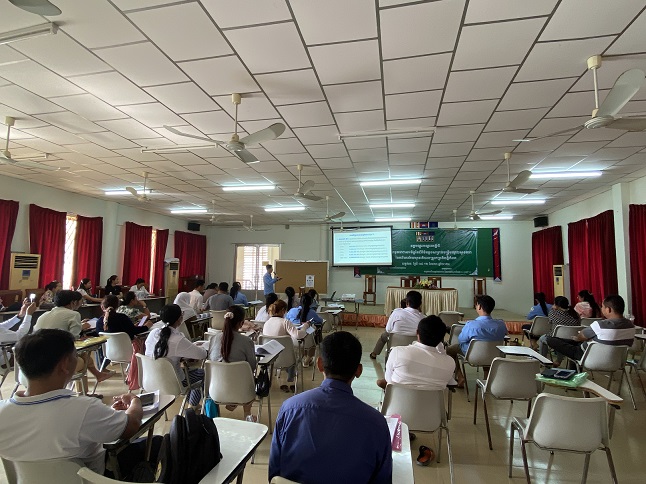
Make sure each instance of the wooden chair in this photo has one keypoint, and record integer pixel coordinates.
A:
(370, 290)
(479, 288)
(37, 292)
(11, 296)
(436, 281)
(405, 281)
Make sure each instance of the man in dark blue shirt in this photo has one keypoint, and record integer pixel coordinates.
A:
(327, 434)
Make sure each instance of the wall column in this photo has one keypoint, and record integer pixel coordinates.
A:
(620, 202)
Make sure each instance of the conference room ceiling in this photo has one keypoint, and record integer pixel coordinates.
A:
(483, 72)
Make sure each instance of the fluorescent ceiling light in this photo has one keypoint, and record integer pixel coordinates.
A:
(235, 188)
(565, 174)
(496, 217)
(388, 133)
(126, 192)
(396, 219)
(383, 183)
(28, 32)
(189, 210)
(171, 149)
(393, 205)
(285, 209)
(523, 201)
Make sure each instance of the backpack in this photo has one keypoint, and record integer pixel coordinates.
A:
(190, 450)
(263, 384)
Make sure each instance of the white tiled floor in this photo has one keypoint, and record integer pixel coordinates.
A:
(474, 462)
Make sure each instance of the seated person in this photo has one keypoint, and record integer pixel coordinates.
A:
(304, 312)
(196, 297)
(7, 335)
(113, 286)
(230, 346)
(561, 314)
(47, 422)
(423, 362)
(140, 289)
(47, 299)
(169, 342)
(540, 308)
(238, 297)
(613, 330)
(401, 321)
(85, 287)
(263, 312)
(586, 306)
(132, 307)
(113, 321)
(183, 300)
(314, 295)
(483, 328)
(327, 435)
(291, 299)
(211, 290)
(220, 301)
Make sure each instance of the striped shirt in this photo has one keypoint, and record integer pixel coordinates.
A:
(614, 332)
(558, 317)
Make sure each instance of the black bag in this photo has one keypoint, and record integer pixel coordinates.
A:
(190, 450)
(262, 383)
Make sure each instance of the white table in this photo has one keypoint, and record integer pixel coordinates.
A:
(238, 442)
(525, 351)
(641, 336)
(403, 461)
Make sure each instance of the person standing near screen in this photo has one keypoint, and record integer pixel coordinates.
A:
(270, 281)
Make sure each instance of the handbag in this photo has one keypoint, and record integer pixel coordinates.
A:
(211, 409)
(262, 383)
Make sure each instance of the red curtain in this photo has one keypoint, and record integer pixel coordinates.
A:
(47, 238)
(136, 255)
(8, 217)
(577, 245)
(161, 242)
(637, 242)
(547, 251)
(89, 241)
(190, 249)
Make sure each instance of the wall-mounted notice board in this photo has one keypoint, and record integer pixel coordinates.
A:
(295, 272)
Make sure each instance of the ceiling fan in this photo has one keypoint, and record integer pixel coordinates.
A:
(328, 217)
(513, 186)
(455, 221)
(216, 216)
(250, 227)
(625, 87)
(7, 159)
(39, 7)
(474, 215)
(237, 145)
(304, 189)
(144, 194)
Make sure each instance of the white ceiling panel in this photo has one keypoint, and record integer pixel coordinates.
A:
(499, 44)
(255, 106)
(211, 122)
(478, 84)
(629, 139)
(552, 125)
(183, 98)
(574, 104)
(37, 79)
(153, 115)
(492, 10)
(235, 13)
(220, 76)
(632, 40)
(334, 150)
(508, 120)
(92, 150)
(71, 122)
(411, 123)
(457, 134)
(500, 139)
(318, 135)
(372, 154)
(284, 146)
(412, 105)
(466, 113)
(416, 73)
(535, 94)
(109, 140)
(270, 48)
(410, 145)
(129, 128)
(360, 96)
(441, 150)
(54, 134)
(396, 159)
(291, 87)
(429, 27)
(112, 88)
(360, 121)
(320, 22)
(89, 107)
(309, 114)
(347, 62)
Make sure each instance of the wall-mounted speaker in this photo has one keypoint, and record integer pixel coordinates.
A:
(541, 221)
(193, 226)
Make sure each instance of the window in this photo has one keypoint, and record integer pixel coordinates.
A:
(250, 264)
(70, 247)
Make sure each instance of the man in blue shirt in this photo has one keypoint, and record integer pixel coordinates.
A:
(268, 280)
(484, 328)
(327, 434)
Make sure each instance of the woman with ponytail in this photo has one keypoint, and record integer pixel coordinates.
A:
(263, 312)
(304, 312)
(540, 307)
(114, 322)
(587, 307)
(85, 287)
(169, 342)
(237, 296)
(291, 300)
(230, 346)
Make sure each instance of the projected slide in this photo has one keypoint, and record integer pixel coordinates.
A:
(362, 247)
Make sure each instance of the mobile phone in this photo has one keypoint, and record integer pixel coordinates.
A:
(32, 296)
(147, 399)
(142, 321)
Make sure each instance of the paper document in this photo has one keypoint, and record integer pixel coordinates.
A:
(271, 347)
(335, 305)
(334, 311)
(310, 330)
(348, 297)
(257, 301)
(92, 322)
(395, 428)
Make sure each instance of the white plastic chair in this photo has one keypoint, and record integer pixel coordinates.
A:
(588, 321)
(639, 365)
(508, 380)
(395, 339)
(422, 410)
(88, 476)
(454, 332)
(564, 424)
(607, 359)
(450, 317)
(287, 357)
(567, 332)
(217, 319)
(479, 354)
(21, 379)
(159, 374)
(540, 326)
(117, 349)
(55, 471)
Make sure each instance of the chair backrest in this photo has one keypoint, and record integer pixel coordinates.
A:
(420, 408)
(436, 281)
(118, 347)
(229, 382)
(159, 375)
(456, 329)
(482, 353)
(589, 321)
(540, 326)
(567, 423)
(55, 471)
(450, 317)
(217, 319)
(370, 284)
(513, 379)
(479, 286)
(88, 476)
(603, 357)
(405, 281)
(400, 340)
(287, 357)
(567, 332)
(182, 328)
(327, 321)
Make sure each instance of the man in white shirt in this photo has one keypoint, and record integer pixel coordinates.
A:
(401, 321)
(197, 301)
(46, 421)
(423, 362)
(140, 289)
(7, 335)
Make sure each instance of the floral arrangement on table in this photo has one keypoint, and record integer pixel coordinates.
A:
(425, 284)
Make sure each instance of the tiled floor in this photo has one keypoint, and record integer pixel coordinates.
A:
(474, 462)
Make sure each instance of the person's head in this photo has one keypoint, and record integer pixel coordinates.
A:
(586, 296)
(539, 297)
(233, 319)
(613, 306)
(235, 287)
(54, 286)
(110, 302)
(223, 287)
(113, 280)
(561, 302)
(402, 303)
(213, 285)
(199, 284)
(290, 293)
(130, 299)
(485, 304)
(47, 354)
(69, 299)
(431, 330)
(414, 299)
(85, 283)
(269, 268)
(270, 299)
(340, 357)
(306, 304)
(140, 283)
(313, 294)
(278, 308)
(171, 315)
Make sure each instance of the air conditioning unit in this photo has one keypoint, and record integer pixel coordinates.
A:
(24, 271)
(561, 274)
(171, 278)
